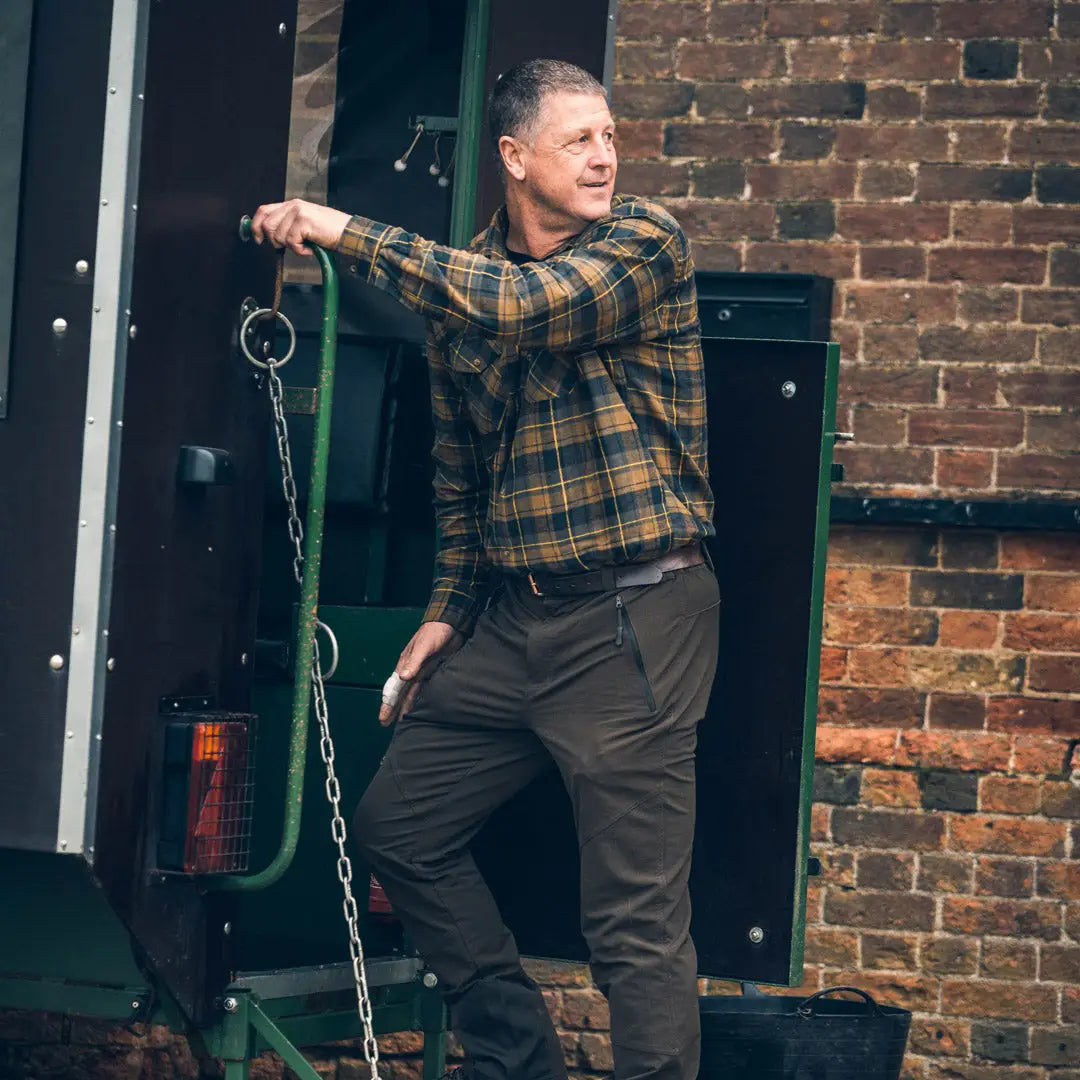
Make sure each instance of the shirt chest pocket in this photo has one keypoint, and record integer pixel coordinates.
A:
(488, 375)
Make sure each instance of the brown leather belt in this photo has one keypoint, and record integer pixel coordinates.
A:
(611, 578)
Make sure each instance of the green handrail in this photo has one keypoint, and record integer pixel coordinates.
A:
(307, 622)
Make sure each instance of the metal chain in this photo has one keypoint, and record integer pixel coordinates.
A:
(326, 743)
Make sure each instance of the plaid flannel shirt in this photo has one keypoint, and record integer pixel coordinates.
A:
(568, 396)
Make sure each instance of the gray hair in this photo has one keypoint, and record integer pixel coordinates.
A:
(518, 96)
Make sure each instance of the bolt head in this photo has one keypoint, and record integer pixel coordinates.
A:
(282, 30)
(82, 267)
(788, 389)
(756, 935)
(430, 980)
(59, 327)
(231, 1004)
(56, 662)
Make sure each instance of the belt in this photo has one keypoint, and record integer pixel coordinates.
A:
(611, 578)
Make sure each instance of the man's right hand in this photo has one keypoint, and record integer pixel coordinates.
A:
(431, 645)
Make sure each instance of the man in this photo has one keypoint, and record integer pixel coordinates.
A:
(571, 498)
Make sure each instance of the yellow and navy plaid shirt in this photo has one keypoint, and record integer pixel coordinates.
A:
(568, 396)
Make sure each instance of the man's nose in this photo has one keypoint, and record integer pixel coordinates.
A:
(603, 156)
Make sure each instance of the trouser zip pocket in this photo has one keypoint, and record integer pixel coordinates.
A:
(623, 625)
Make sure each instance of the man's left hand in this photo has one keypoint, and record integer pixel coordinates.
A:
(290, 224)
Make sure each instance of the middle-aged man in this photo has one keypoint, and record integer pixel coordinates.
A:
(571, 498)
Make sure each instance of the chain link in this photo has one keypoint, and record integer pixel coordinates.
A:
(326, 743)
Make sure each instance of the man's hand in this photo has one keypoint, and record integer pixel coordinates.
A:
(289, 224)
(431, 645)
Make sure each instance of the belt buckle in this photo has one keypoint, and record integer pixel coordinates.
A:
(535, 589)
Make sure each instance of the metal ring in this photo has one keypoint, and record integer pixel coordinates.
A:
(335, 655)
(258, 313)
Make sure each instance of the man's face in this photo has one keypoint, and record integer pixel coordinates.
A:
(568, 171)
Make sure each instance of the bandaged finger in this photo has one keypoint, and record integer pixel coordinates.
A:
(392, 688)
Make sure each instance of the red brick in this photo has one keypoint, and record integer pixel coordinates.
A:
(959, 345)
(949, 669)
(1059, 346)
(1041, 388)
(979, 142)
(968, 751)
(801, 181)
(737, 142)
(999, 999)
(884, 344)
(1052, 592)
(945, 100)
(1061, 799)
(654, 178)
(1054, 673)
(901, 303)
(640, 138)
(996, 18)
(833, 663)
(907, 223)
(880, 465)
(1052, 715)
(1059, 963)
(893, 384)
(822, 19)
(988, 266)
(1059, 880)
(890, 787)
(863, 745)
(586, 1009)
(1014, 960)
(887, 829)
(893, 102)
(1045, 632)
(1039, 755)
(1058, 306)
(820, 817)
(935, 1036)
(1006, 836)
(982, 224)
(1005, 918)
(1047, 432)
(900, 261)
(972, 427)
(1051, 473)
(666, 18)
(894, 871)
(1036, 145)
(968, 385)
(945, 874)
(714, 61)
(964, 468)
(636, 60)
(723, 100)
(879, 911)
(950, 956)
(858, 707)
(1045, 551)
(832, 948)
(815, 101)
(816, 60)
(974, 183)
(892, 142)
(831, 260)
(912, 992)
(875, 426)
(1009, 795)
(710, 255)
(881, 626)
(637, 101)
(957, 712)
(989, 304)
(1012, 878)
(1050, 60)
(879, 182)
(736, 20)
(968, 629)
(871, 588)
(908, 60)
(1046, 225)
(709, 219)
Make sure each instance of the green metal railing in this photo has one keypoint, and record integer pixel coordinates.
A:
(308, 618)
(470, 119)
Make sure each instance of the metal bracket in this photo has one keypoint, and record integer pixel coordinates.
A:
(177, 703)
(445, 125)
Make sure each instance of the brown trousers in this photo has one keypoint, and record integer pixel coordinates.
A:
(612, 687)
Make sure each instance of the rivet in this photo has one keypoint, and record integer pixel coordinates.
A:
(56, 662)
(756, 935)
(136, 1005)
(104, 202)
(112, 89)
(63, 845)
(132, 331)
(110, 664)
(82, 524)
(89, 419)
(59, 327)
(231, 1004)
(243, 659)
(97, 307)
(431, 980)
(282, 30)
(71, 734)
(75, 631)
(788, 389)
(227, 928)
(82, 267)
(139, 96)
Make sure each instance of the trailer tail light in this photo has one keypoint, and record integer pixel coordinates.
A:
(378, 906)
(208, 794)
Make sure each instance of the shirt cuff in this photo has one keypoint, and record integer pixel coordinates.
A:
(361, 241)
(449, 605)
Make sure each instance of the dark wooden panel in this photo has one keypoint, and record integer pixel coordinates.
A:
(213, 148)
(41, 438)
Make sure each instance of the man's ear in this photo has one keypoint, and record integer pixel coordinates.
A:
(512, 153)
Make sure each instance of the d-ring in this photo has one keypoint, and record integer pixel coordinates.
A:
(260, 313)
(334, 654)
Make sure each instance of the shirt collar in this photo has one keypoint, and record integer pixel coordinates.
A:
(492, 242)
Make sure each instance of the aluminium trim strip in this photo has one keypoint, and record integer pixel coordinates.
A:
(95, 528)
